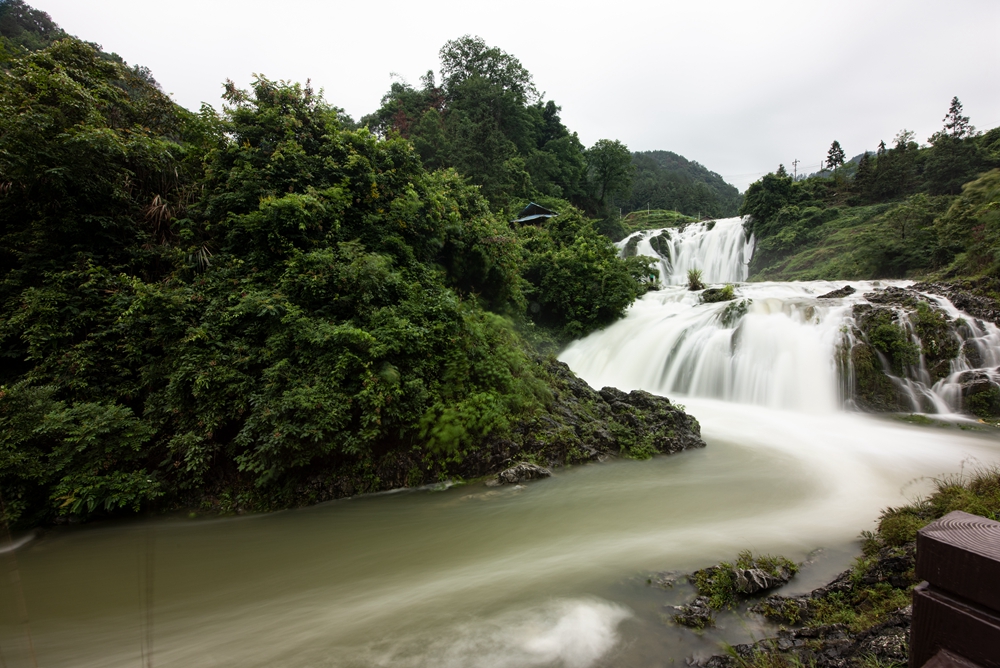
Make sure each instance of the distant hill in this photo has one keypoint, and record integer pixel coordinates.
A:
(24, 27)
(665, 180)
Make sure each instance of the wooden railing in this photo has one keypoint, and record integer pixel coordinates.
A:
(956, 611)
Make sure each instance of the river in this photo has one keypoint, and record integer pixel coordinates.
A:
(552, 573)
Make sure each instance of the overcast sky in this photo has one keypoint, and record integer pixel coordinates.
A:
(738, 85)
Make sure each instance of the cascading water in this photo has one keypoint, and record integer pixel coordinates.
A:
(775, 344)
(719, 249)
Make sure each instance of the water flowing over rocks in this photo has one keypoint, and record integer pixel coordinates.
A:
(812, 347)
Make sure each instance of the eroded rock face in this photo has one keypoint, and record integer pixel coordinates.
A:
(520, 473)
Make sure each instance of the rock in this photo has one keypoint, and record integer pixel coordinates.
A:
(712, 295)
(837, 294)
(519, 473)
(963, 297)
(753, 580)
(697, 614)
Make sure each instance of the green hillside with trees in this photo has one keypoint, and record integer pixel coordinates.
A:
(270, 305)
(667, 181)
(902, 211)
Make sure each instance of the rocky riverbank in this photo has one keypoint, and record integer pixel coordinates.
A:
(577, 425)
(862, 617)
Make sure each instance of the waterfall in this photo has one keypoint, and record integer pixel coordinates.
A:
(777, 344)
(718, 248)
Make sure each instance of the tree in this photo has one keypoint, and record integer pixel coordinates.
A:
(955, 123)
(864, 178)
(782, 171)
(955, 158)
(609, 169)
(835, 156)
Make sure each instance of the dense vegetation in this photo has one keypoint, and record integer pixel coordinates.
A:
(667, 181)
(231, 304)
(898, 212)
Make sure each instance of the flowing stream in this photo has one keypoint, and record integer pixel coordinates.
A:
(553, 573)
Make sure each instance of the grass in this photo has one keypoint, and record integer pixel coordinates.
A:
(655, 219)
(718, 583)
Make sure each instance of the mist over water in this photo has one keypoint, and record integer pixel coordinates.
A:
(549, 574)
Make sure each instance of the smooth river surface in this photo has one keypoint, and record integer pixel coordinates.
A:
(547, 575)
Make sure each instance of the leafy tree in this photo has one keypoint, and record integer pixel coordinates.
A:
(487, 120)
(864, 177)
(609, 169)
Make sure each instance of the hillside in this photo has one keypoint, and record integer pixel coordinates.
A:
(665, 180)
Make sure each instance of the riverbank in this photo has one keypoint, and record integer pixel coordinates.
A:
(862, 617)
(576, 425)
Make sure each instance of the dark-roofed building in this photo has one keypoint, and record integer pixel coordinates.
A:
(534, 213)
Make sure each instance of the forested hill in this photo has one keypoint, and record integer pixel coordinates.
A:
(267, 305)
(665, 180)
(905, 210)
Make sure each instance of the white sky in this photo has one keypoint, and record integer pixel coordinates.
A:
(738, 85)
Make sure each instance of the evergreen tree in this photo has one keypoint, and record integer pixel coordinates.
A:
(782, 171)
(864, 178)
(835, 156)
(955, 124)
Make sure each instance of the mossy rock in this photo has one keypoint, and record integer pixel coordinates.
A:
(713, 295)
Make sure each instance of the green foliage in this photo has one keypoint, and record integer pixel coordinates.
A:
(665, 180)
(22, 27)
(723, 294)
(487, 120)
(609, 170)
(577, 282)
(694, 280)
(835, 156)
(236, 303)
(720, 585)
(734, 312)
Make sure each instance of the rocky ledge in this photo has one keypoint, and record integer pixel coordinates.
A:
(861, 618)
(973, 298)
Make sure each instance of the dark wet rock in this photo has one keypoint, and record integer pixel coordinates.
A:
(964, 296)
(630, 246)
(980, 394)
(838, 294)
(696, 615)
(835, 645)
(894, 296)
(520, 473)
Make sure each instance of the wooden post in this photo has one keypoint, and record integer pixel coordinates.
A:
(956, 611)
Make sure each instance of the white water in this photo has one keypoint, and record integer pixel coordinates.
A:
(780, 354)
(545, 575)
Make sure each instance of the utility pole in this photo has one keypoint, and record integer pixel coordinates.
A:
(795, 169)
